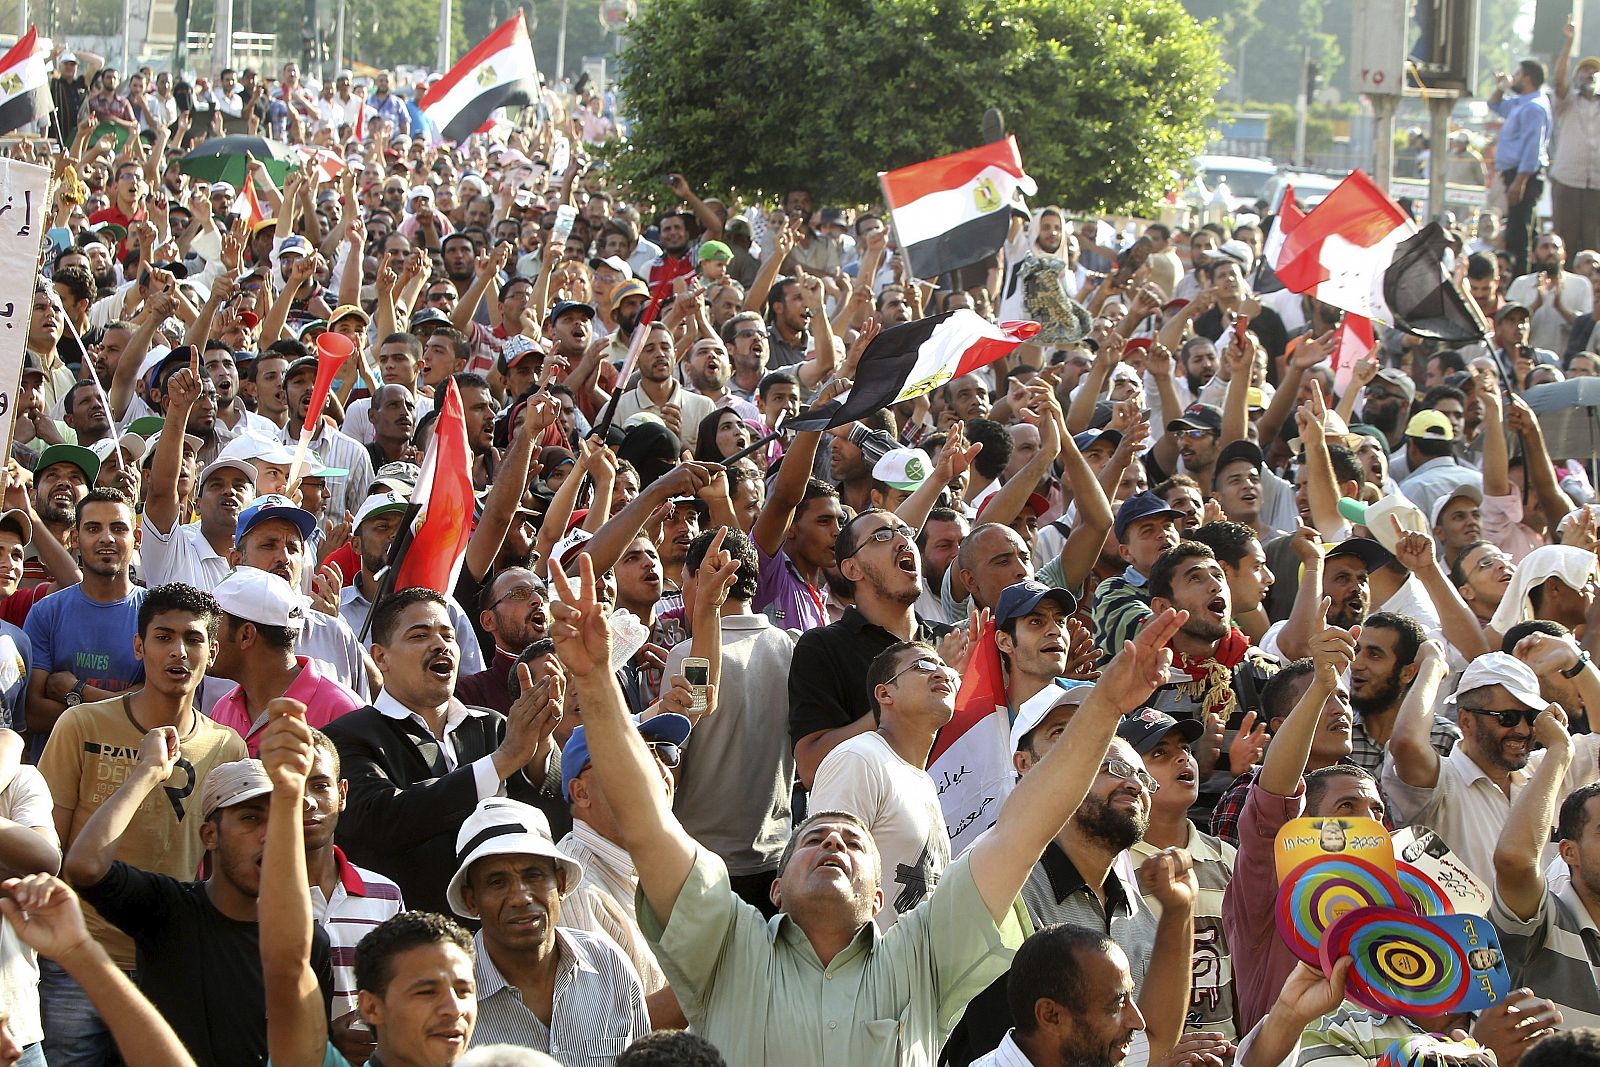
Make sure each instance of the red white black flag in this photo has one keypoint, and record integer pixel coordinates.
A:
(499, 72)
(956, 210)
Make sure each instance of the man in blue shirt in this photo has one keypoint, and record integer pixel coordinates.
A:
(387, 105)
(1522, 153)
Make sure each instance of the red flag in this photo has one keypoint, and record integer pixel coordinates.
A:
(971, 760)
(360, 129)
(1343, 247)
(1353, 343)
(443, 503)
(247, 205)
(1289, 216)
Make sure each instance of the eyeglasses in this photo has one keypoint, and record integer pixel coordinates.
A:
(1490, 559)
(1378, 392)
(1507, 719)
(517, 593)
(748, 333)
(1197, 435)
(884, 534)
(922, 665)
(1128, 772)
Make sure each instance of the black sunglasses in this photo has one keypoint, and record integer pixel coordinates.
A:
(1507, 719)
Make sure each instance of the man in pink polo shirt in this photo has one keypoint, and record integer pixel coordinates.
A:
(262, 618)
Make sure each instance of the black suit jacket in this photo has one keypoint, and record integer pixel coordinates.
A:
(404, 807)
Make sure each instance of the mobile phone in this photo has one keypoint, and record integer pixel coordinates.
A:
(697, 671)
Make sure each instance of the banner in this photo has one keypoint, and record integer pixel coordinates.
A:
(24, 216)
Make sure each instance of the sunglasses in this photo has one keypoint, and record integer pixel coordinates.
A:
(517, 593)
(922, 665)
(1507, 719)
(1128, 772)
(1198, 435)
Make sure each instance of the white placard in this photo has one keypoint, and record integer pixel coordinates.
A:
(24, 217)
(1378, 48)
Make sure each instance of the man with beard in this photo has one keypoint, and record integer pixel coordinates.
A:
(746, 338)
(419, 760)
(511, 609)
(377, 523)
(1086, 878)
(1383, 670)
(540, 984)
(334, 448)
(788, 321)
(84, 410)
(1216, 675)
(231, 413)
(1071, 993)
(827, 677)
(1386, 405)
(1197, 363)
(119, 740)
(659, 392)
(80, 634)
(192, 932)
(195, 553)
(1553, 296)
(62, 477)
(262, 619)
(627, 303)
(1482, 573)
(1512, 350)
(708, 370)
(1283, 790)
(393, 420)
(1467, 795)
(675, 261)
(883, 776)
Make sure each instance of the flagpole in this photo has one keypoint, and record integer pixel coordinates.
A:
(905, 256)
(88, 364)
(777, 431)
(634, 345)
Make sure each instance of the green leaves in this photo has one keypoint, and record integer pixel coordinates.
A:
(1107, 97)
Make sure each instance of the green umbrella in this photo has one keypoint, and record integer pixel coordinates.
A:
(225, 159)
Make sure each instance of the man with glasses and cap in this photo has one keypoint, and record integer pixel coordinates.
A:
(1467, 795)
(541, 985)
(603, 900)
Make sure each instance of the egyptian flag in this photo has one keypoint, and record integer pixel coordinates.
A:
(247, 205)
(1288, 217)
(432, 545)
(359, 129)
(956, 210)
(25, 82)
(1358, 250)
(500, 72)
(914, 358)
(971, 760)
(328, 163)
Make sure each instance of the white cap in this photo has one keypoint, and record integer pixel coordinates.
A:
(243, 466)
(500, 826)
(570, 542)
(903, 468)
(261, 597)
(379, 504)
(1380, 522)
(251, 446)
(618, 264)
(152, 359)
(1466, 489)
(419, 192)
(225, 188)
(66, 57)
(1061, 692)
(131, 443)
(1504, 669)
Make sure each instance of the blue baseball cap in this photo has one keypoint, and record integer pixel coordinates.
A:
(1089, 438)
(673, 729)
(273, 506)
(1145, 505)
(1019, 600)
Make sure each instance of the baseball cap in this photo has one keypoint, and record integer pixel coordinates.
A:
(714, 250)
(1506, 309)
(1089, 438)
(1198, 417)
(673, 729)
(1430, 425)
(1237, 251)
(400, 471)
(500, 826)
(233, 783)
(130, 443)
(17, 520)
(261, 597)
(345, 311)
(294, 245)
(77, 455)
(419, 192)
(903, 468)
(223, 189)
(380, 504)
(426, 316)
(832, 216)
(1400, 380)
(1019, 600)
(1239, 451)
(1500, 668)
(1145, 728)
(1143, 505)
(273, 506)
(563, 306)
(66, 57)
(629, 288)
(1466, 489)
(616, 263)
(1368, 551)
(512, 351)
(237, 463)
(562, 551)
(1062, 691)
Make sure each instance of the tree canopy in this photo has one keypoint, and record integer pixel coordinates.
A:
(1106, 97)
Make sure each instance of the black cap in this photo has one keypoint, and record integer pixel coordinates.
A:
(1198, 417)
(1144, 729)
(1234, 451)
(426, 315)
(1365, 549)
(563, 306)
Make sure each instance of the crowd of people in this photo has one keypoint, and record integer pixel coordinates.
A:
(651, 783)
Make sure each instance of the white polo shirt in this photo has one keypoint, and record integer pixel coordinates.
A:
(183, 555)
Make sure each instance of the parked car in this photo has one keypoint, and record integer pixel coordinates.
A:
(1246, 177)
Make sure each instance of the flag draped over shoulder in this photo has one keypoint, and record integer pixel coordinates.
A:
(25, 82)
(971, 761)
(499, 72)
(955, 210)
(1359, 251)
(914, 358)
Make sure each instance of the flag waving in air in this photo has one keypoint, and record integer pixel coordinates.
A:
(247, 205)
(25, 82)
(499, 72)
(955, 210)
(914, 358)
(432, 546)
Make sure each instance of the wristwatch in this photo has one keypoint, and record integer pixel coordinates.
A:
(75, 697)
(1577, 668)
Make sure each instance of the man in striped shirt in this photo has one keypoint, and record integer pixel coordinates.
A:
(1144, 527)
(347, 900)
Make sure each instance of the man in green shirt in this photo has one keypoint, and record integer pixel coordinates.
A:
(819, 984)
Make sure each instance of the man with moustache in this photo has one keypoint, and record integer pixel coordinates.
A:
(1386, 405)
(541, 985)
(1382, 672)
(511, 611)
(394, 421)
(746, 338)
(659, 391)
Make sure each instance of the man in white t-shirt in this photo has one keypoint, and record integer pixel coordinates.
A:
(881, 776)
(24, 804)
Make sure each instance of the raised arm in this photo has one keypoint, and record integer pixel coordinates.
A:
(1536, 460)
(1496, 453)
(782, 245)
(297, 1022)
(511, 481)
(1415, 760)
(1295, 637)
(608, 543)
(710, 222)
(1046, 796)
(1415, 552)
(161, 500)
(1332, 650)
(1558, 69)
(663, 853)
(1307, 354)
(1322, 485)
(1088, 536)
(156, 308)
(95, 847)
(789, 487)
(813, 372)
(1518, 881)
(489, 265)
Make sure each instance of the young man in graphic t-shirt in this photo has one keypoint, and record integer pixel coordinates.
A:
(94, 748)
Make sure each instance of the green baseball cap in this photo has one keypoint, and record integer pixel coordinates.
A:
(714, 250)
(77, 455)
